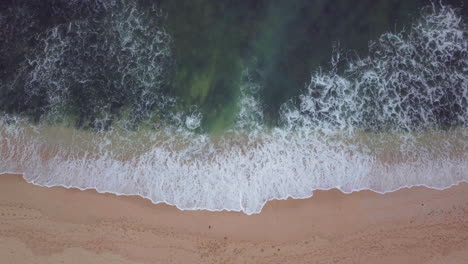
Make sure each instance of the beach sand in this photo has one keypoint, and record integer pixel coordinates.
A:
(58, 225)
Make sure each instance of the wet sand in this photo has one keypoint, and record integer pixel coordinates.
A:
(58, 225)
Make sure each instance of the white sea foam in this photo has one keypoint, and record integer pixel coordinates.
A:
(323, 143)
(411, 80)
(229, 176)
(118, 57)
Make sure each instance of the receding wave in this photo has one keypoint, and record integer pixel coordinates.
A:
(396, 118)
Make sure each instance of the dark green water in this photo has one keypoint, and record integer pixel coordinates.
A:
(212, 43)
(283, 41)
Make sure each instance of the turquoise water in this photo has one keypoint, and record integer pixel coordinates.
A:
(228, 104)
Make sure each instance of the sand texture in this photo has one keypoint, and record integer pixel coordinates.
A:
(58, 225)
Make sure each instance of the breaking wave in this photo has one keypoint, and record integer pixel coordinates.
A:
(412, 80)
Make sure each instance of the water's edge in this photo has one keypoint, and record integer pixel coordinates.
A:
(232, 210)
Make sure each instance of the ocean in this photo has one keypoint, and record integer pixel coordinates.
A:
(225, 105)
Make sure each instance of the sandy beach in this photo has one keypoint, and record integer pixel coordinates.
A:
(58, 225)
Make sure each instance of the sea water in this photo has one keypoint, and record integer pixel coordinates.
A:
(127, 97)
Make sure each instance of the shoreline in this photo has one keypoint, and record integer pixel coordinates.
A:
(411, 225)
(290, 197)
(435, 160)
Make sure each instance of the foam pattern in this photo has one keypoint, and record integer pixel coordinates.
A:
(411, 80)
(397, 118)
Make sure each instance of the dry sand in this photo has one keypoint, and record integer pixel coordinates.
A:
(58, 225)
